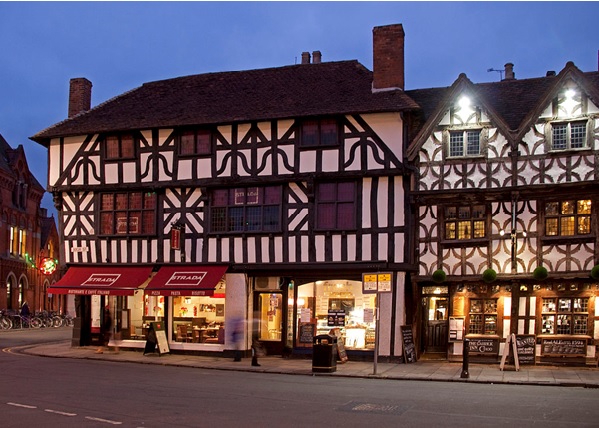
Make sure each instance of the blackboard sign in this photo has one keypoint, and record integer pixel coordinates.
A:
(409, 350)
(525, 347)
(160, 335)
(483, 346)
(306, 332)
(558, 347)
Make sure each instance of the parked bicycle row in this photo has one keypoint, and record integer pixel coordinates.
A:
(10, 319)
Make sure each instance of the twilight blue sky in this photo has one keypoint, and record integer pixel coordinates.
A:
(121, 45)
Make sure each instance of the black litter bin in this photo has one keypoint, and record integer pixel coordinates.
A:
(324, 354)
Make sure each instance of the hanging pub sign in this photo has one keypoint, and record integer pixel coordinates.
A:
(175, 238)
(48, 265)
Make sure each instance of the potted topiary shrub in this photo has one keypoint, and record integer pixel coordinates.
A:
(439, 276)
(540, 273)
(595, 272)
(489, 275)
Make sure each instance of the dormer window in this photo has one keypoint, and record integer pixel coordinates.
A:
(319, 132)
(570, 135)
(464, 143)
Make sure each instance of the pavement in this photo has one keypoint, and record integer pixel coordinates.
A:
(442, 371)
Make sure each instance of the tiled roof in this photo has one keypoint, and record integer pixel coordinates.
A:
(343, 87)
(513, 99)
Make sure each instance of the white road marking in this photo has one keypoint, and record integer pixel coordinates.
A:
(108, 421)
(59, 412)
(22, 405)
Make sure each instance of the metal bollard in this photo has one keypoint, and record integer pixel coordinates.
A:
(466, 352)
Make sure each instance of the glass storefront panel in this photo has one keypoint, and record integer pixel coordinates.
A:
(270, 307)
(338, 306)
(198, 319)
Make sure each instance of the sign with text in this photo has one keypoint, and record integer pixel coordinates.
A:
(409, 349)
(381, 282)
(560, 347)
(525, 346)
(480, 346)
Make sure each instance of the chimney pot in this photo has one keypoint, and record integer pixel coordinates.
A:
(316, 57)
(550, 73)
(80, 96)
(388, 57)
(305, 57)
(509, 71)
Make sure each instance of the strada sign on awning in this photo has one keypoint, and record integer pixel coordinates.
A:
(101, 280)
(186, 281)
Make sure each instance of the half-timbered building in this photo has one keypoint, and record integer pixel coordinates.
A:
(261, 195)
(506, 200)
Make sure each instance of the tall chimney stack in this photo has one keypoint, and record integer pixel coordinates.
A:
(305, 57)
(316, 57)
(509, 71)
(80, 96)
(388, 57)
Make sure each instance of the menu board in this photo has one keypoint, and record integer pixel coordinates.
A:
(483, 346)
(306, 332)
(564, 347)
(525, 347)
(409, 350)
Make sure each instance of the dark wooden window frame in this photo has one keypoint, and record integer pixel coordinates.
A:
(123, 218)
(235, 215)
(124, 153)
(199, 149)
(338, 205)
(444, 221)
(483, 314)
(320, 139)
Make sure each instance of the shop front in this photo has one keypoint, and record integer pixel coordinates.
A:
(557, 320)
(335, 307)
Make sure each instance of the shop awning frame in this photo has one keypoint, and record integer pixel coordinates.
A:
(101, 280)
(194, 280)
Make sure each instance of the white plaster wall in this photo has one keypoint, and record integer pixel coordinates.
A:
(389, 127)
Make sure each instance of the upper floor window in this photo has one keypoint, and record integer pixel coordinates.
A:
(19, 194)
(464, 143)
(570, 135)
(246, 209)
(336, 206)
(18, 241)
(319, 132)
(465, 222)
(120, 146)
(132, 213)
(568, 218)
(195, 142)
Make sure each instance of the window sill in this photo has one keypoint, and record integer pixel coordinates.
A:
(567, 239)
(481, 242)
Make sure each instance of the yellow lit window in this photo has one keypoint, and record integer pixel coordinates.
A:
(568, 218)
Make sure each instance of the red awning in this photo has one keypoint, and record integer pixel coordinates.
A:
(185, 281)
(101, 280)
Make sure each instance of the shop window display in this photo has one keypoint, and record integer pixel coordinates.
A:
(198, 319)
(338, 306)
(483, 316)
(564, 315)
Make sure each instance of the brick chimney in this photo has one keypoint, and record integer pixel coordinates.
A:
(388, 57)
(509, 71)
(305, 57)
(316, 57)
(80, 96)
